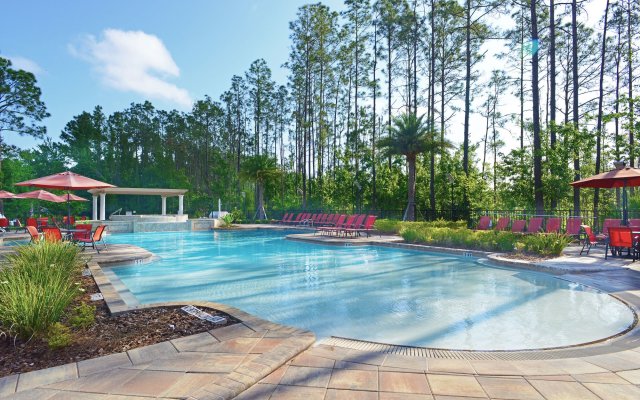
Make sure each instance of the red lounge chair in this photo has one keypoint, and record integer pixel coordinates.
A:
(609, 223)
(518, 226)
(33, 232)
(51, 234)
(96, 237)
(634, 222)
(590, 239)
(367, 226)
(333, 218)
(339, 224)
(357, 224)
(32, 222)
(304, 219)
(483, 223)
(44, 221)
(296, 220)
(535, 225)
(4, 224)
(322, 219)
(284, 219)
(620, 238)
(502, 224)
(573, 226)
(553, 225)
(82, 235)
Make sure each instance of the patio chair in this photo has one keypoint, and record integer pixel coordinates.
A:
(284, 219)
(367, 227)
(51, 234)
(590, 239)
(635, 222)
(355, 225)
(518, 226)
(4, 224)
(484, 223)
(32, 222)
(534, 225)
(82, 235)
(96, 237)
(325, 229)
(609, 223)
(502, 224)
(553, 225)
(620, 238)
(339, 225)
(44, 221)
(33, 232)
(574, 225)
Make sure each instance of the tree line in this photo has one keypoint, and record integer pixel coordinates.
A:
(324, 139)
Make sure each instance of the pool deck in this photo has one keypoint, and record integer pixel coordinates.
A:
(258, 359)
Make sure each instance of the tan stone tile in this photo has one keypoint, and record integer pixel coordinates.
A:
(342, 394)
(354, 379)
(440, 397)
(43, 377)
(614, 392)
(240, 345)
(406, 362)
(275, 377)
(564, 378)
(306, 376)
(188, 384)
(266, 344)
(454, 385)
(632, 376)
(352, 365)
(180, 362)
(154, 352)
(79, 396)
(494, 367)
(537, 367)
(403, 382)
(364, 357)
(149, 383)
(450, 366)
(308, 360)
(200, 341)
(576, 366)
(334, 353)
(32, 394)
(260, 391)
(8, 384)
(509, 388)
(231, 332)
(612, 362)
(554, 390)
(216, 363)
(98, 382)
(403, 396)
(284, 392)
(603, 377)
(93, 365)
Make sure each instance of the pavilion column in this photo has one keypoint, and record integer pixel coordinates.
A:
(180, 204)
(103, 206)
(164, 205)
(95, 208)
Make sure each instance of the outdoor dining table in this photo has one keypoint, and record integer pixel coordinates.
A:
(68, 232)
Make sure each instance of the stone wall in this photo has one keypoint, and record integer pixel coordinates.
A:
(202, 224)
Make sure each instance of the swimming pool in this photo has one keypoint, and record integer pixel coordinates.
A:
(372, 293)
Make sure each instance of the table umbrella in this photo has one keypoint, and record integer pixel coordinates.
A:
(621, 177)
(66, 181)
(41, 195)
(5, 195)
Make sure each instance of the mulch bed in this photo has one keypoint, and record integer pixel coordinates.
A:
(110, 334)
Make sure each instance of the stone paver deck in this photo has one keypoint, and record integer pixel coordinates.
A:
(262, 360)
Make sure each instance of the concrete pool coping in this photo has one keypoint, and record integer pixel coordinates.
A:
(610, 369)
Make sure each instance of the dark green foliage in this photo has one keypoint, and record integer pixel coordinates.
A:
(58, 336)
(83, 316)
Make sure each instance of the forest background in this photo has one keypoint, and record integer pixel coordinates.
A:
(312, 143)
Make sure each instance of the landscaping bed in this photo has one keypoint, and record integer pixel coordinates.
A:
(107, 335)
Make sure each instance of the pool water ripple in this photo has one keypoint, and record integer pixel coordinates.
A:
(372, 293)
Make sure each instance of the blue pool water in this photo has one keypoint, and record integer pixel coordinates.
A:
(372, 293)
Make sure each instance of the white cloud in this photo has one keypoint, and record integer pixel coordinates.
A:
(26, 64)
(133, 61)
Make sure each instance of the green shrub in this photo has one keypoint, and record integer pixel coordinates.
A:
(83, 316)
(238, 216)
(58, 336)
(547, 244)
(395, 226)
(37, 284)
(387, 225)
(227, 221)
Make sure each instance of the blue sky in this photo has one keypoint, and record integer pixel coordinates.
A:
(113, 53)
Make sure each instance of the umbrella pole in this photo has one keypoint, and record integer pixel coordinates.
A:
(625, 212)
(68, 211)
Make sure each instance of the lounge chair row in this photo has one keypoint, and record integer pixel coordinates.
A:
(533, 225)
(350, 225)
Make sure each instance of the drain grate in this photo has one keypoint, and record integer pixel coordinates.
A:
(414, 351)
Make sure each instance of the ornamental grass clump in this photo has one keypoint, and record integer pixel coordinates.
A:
(37, 284)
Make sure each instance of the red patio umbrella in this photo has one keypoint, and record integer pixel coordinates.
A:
(72, 197)
(66, 181)
(41, 195)
(621, 177)
(6, 195)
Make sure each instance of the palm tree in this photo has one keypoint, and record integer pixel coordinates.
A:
(409, 136)
(260, 169)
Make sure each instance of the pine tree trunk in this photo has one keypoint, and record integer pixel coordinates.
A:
(596, 194)
(535, 89)
(410, 214)
(574, 67)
